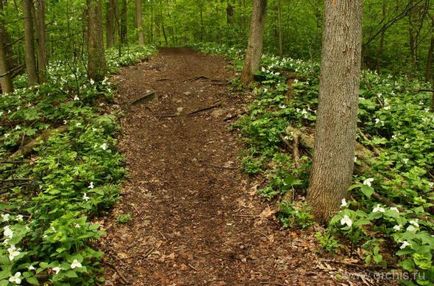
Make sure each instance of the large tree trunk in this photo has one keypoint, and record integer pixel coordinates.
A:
(111, 19)
(254, 48)
(139, 23)
(5, 73)
(29, 44)
(96, 65)
(336, 124)
(41, 39)
(124, 23)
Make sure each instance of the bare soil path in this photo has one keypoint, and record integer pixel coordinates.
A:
(195, 217)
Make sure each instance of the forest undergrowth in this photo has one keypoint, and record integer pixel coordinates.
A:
(60, 168)
(387, 220)
(59, 171)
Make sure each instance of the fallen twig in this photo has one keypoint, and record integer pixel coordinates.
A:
(192, 267)
(121, 276)
(215, 105)
(148, 96)
(199, 77)
(28, 148)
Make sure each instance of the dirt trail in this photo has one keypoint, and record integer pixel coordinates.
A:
(195, 217)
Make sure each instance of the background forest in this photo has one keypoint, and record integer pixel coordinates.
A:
(60, 168)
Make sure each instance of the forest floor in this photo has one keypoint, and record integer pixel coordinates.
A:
(195, 218)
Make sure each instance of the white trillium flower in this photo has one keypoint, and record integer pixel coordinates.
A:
(104, 146)
(7, 232)
(346, 221)
(414, 222)
(412, 228)
(13, 252)
(76, 264)
(91, 186)
(344, 203)
(394, 209)
(85, 197)
(397, 227)
(404, 245)
(92, 81)
(56, 269)
(5, 217)
(378, 209)
(76, 98)
(31, 268)
(20, 218)
(368, 182)
(16, 278)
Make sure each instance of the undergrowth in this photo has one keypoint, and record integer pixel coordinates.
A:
(49, 196)
(388, 217)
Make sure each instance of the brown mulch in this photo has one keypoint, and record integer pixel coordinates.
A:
(196, 219)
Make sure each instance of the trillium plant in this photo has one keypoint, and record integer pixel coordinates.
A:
(47, 234)
(388, 212)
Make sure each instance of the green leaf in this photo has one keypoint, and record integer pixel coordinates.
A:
(32, 280)
(367, 191)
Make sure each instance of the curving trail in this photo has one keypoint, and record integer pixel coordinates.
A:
(195, 217)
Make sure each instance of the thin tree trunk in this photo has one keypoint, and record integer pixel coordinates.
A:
(96, 65)
(201, 21)
(139, 23)
(29, 44)
(428, 73)
(229, 13)
(110, 23)
(336, 124)
(124, 22)
(254, 48)
(41, 40)
(279, 24)
(5, 76)
(382, 36)
(412, 33)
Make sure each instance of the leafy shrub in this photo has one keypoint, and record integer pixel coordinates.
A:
(394, 122)
(46, 218)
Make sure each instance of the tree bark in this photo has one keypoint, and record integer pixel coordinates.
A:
(124, 23)
(428, 73)
(29, 43)
(254, 48)
(139, 23)
(336, 124)
(96, 65)
(279, 24)
(380, 48)
(5, 73)
(111, 19)
(5, 76)
(41, 40)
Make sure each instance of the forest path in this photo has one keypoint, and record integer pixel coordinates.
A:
(195, 217)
